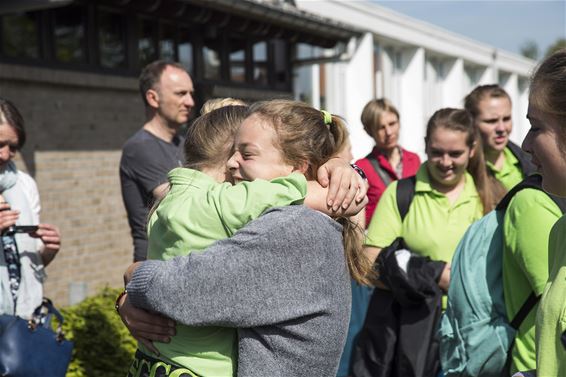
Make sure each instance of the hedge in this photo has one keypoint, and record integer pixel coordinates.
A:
(103, 345)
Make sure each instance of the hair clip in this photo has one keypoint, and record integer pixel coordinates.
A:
(327, 117)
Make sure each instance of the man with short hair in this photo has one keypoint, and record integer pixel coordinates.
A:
(166, 89)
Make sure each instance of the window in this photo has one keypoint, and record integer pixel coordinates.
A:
(20, 35)
(111, 39)
(69, 35)
(167, 42)
(238, 60)
(185, 50)
(147, 50)
(211, 56)
(260, 63)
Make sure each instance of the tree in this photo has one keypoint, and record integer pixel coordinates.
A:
(530, 49)
(559, 44)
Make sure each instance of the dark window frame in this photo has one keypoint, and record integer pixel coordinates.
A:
(130, 40)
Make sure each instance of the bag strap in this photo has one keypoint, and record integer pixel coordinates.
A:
(383, 175)
(405, 194)
(525, 163)
(42, 314)
(524, 311)
(533, 181)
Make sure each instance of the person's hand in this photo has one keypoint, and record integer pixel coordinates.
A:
(344, 183)
(144, 326)
(51, 238)
(444, 281)
(8, 217)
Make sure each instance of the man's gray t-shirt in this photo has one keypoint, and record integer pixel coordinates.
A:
(146, 160)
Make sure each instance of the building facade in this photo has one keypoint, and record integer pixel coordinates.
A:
(71, 68)
(418, 66)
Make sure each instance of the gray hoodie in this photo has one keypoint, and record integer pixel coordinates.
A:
(282, 281)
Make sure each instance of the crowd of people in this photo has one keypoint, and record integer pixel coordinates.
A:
(260, 251)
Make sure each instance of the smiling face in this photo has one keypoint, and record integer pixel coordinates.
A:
(544, 142)
(494, 123)
(256, 154)
(172, 96)
(387, 133)
(448, 156)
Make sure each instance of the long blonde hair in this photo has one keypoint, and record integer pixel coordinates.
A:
(303, 136)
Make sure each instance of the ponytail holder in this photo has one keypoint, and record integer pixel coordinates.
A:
(327, 117)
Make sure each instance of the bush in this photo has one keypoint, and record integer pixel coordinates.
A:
(103, 345)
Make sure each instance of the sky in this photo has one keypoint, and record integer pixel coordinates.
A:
(504, 24)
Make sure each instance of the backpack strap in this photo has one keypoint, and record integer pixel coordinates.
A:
(525, 163)
(524, 311)
(533, 181)
(405, 193)
(383, 175)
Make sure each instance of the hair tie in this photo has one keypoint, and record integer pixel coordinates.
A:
(327, 117)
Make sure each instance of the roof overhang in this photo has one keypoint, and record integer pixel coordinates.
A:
(274, 19)
(13, 6)
(303, 26)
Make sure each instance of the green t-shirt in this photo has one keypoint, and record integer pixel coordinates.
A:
(510, 173)
(196, 212)
(551, 315)
(526, 226)
(433, 227)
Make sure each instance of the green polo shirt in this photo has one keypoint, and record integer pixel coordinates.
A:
(551, 315)
(510, 173)
(525, 264)
(196, 212)
(433, 227)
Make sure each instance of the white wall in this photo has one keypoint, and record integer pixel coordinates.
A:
(421, 68)
(358, 90)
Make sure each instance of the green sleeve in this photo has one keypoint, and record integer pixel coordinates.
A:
(239, 204)
(528, 220)
(385, 224)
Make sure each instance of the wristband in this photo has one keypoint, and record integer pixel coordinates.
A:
(117, 302)
(359, 171)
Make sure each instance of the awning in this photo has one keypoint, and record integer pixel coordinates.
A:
(271, 19)
(284, 19)
(13, 6)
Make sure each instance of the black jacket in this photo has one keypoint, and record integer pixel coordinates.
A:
(398, 337)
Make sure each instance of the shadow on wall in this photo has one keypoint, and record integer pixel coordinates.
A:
(67, 118)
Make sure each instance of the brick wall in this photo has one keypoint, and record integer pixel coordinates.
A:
(76, 124)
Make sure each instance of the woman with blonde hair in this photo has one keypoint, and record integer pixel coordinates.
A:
(386, 163)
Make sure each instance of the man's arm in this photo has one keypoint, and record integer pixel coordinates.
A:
(271, 271)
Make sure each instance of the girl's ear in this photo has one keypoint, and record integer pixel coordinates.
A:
(302, 167)
(473, 150)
